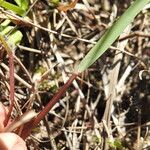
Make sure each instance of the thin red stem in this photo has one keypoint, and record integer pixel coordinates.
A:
(11, 83)
(27, 129)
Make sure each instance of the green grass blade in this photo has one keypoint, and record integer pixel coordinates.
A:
(15, 38)
(14, 8)
(111, 34)
(24, 4)
(6, 30)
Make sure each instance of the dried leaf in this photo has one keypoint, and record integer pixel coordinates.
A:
(65, 8)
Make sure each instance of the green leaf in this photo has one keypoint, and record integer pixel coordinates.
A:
(24, 4)
(111, 34)
(6, 30)
(15, 38)
(5, 23)
(12, 7)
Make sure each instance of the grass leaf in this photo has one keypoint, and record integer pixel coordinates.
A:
(16, 9)
(111, 34)
(24, 4)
